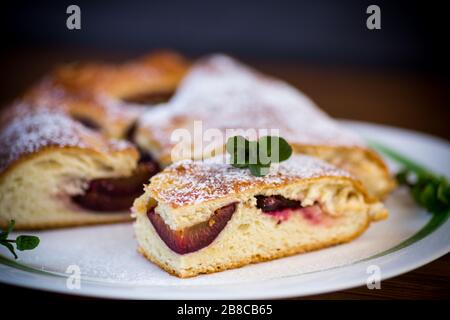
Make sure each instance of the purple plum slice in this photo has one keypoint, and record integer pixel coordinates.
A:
(116, 194)
(276, 203)
(282, 208)
(192, 238)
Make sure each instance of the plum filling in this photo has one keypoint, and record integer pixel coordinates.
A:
(87, 122)
(276, 203)
(192, 238)
(149, 98)
(117, 194)
(282, 209)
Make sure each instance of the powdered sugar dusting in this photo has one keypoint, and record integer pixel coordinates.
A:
(191, 182)
(52, 94)
(119, 145)
(224, 94)
(34, 131)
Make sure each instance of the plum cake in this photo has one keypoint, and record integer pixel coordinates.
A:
(205, 216)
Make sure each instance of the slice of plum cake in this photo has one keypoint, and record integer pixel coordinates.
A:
(206, 216)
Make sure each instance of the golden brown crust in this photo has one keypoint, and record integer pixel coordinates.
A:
(369, 156)
(41, 134)
(320, 151)
(78, 218)
(391, 184)
(35, 133)
(254, 259)
(95, 92)
(24, 158)
(189, 182)
(157, 72)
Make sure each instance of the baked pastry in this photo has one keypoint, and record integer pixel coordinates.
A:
(108, 97)
(201, 217)
(220, 98)
(58, 164)
(55, 172)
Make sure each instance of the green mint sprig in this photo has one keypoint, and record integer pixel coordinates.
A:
(257, 156)
(23, 242)
(430, 191)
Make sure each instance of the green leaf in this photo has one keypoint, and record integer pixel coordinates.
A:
(265, 149)
(416, 191)
(253, 150)
(236, 143)
(239, 166)
(285, 150)
(10, 227)
(277, 148)
(27, 242)
(428, 197)
(257, 155)
(443, 192)
(428, 190)
(237, 147)
(259, 170)
(237, 162)
(10, 247)
(402, 177)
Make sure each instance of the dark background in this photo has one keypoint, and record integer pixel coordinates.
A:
(325, 31)
(398, 75)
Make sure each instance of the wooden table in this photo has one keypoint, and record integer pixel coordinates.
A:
(417, 101)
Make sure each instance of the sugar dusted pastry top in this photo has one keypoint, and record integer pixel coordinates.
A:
(109, 112)
(36, 131)
(101, 92)
(225, 94)
(189, 182)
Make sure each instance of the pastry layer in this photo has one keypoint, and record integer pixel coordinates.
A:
(46, 159)
(220, 98)
(329, 208)
(58, 166)
(106, 96)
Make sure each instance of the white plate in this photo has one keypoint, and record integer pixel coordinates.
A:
(111, 267)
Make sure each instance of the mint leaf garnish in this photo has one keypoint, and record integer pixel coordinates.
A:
(26, 242)
(23, 242)
(429, 190)
(258, 155)
(277, 148)
(10, 248)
